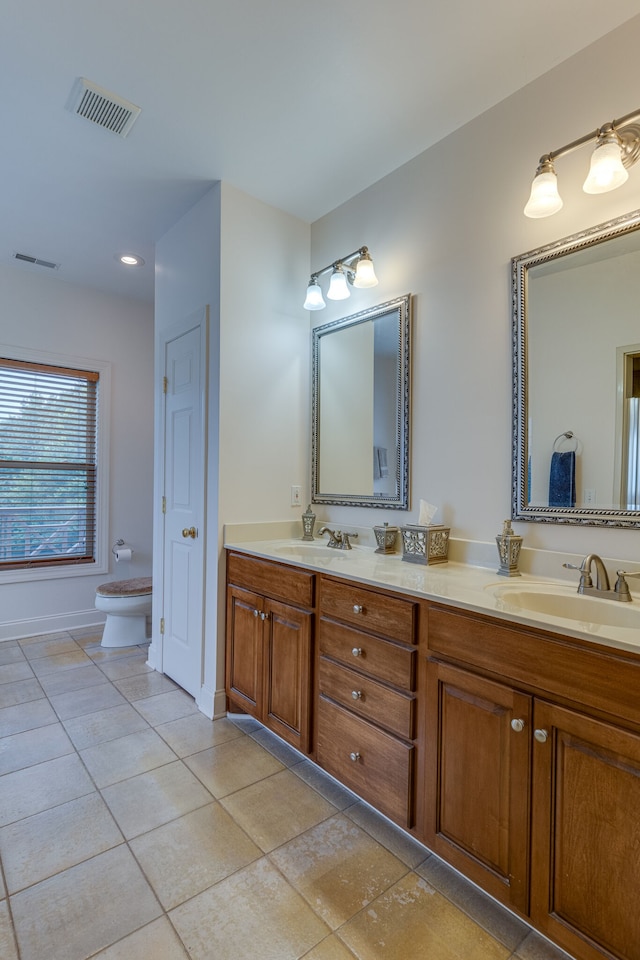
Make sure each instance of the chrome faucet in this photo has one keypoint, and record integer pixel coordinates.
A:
(337, 538)
(602, 588)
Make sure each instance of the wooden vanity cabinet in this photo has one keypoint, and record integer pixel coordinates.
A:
(366, 708)
(269, 645)
(533, 780)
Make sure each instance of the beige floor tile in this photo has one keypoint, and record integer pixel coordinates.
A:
(157, 941)
(93, 728)
(26, 716)
(154, 798)
(126, 757)
(3, 891)
(67, 680)
(61, 643)
(21, 691)
(282, 751)
(190, 854)
(413, 920)
(40, 637)
(129, 667)
(332, 949)
(76, 913)
(56, 839)
(77, 703)
(232, 766)
(495, 919)
(10, 652)
(338, 868)
(196, 732)
(277, 809)
(29, 791)
(60, 662)
(330, 789)
(254, 913)
(165, 707)
(33, 746)
(10, 672)
(100, 654)
(401, 844)
(144, 685)
(8, 950)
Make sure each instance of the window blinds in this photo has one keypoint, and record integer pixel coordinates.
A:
(48, 427)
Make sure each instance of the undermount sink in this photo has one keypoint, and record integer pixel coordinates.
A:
(311, 551)
(557, 600)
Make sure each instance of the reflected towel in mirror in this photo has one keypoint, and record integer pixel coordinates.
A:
(562, 479)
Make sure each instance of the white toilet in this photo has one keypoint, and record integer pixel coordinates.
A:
(127, 604)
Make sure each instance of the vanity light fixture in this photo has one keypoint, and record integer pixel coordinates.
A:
(355, 269)
(617, 147)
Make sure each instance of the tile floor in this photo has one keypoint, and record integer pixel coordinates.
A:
(133, 828)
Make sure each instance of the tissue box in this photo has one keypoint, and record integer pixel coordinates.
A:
(425, 544)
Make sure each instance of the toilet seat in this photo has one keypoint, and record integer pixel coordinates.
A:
(127, 603)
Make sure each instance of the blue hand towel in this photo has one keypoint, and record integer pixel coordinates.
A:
(562, 479)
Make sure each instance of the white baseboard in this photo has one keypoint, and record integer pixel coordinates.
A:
(212, 703)
(19, 629)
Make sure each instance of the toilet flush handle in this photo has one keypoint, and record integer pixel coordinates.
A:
(190, 532)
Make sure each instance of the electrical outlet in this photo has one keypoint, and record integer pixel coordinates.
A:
(296, 495)
(589, 496)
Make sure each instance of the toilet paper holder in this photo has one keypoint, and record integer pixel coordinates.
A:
(121, 550)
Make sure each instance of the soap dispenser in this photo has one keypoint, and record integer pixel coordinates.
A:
(308, 523)
(509, 545)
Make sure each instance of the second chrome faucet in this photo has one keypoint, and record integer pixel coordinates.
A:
(338, 539)
(602, 586)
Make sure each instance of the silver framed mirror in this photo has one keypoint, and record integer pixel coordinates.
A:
(576, 378)
(360, 408)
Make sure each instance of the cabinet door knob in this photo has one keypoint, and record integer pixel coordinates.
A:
(354, 756)
(357, 651)
(264, 616)
(256, 613)
(356, 695)
(358, 608)
(541, 735)
(517, 725)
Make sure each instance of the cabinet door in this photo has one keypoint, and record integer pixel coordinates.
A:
(477, 777)
(586, 797)
(244, 650)
(287, 672)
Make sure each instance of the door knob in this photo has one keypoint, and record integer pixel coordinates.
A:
(189, 532)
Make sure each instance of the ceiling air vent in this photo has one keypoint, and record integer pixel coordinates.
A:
(25, 258)
(90, 101)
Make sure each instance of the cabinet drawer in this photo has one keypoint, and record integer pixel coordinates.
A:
(368, 698)
(382, 771)
(273, 579)
(378, 658)
(389, 616)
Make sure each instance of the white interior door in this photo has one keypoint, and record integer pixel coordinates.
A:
(184, 473)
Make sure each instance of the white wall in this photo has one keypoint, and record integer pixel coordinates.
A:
(444, 227)
(46, 314)
(238, 255)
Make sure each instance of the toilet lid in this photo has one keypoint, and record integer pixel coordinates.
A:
(135, 587)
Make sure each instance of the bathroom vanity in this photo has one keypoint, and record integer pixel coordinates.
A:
(507, 742)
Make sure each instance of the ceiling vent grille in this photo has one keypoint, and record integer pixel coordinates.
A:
(25, 258)
(90, 101)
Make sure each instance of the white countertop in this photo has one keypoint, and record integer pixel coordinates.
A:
(461, 585)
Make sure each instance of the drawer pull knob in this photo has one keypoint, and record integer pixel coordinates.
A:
(358, 608)
(354, 756)
(541, 735)
(517, 725)
(356, 695)
(357, 651)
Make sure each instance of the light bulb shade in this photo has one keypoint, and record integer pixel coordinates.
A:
(365, 274)
(338, 289)
(544, 199)
(314, 299)
(607, 170)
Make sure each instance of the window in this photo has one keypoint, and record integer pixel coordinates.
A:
(48, 465)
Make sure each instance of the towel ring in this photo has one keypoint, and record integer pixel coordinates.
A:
(566, 435)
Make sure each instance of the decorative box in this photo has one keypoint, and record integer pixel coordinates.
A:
(386, 537)
(425, 544)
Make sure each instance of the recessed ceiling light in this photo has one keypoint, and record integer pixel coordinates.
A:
(130, 259)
